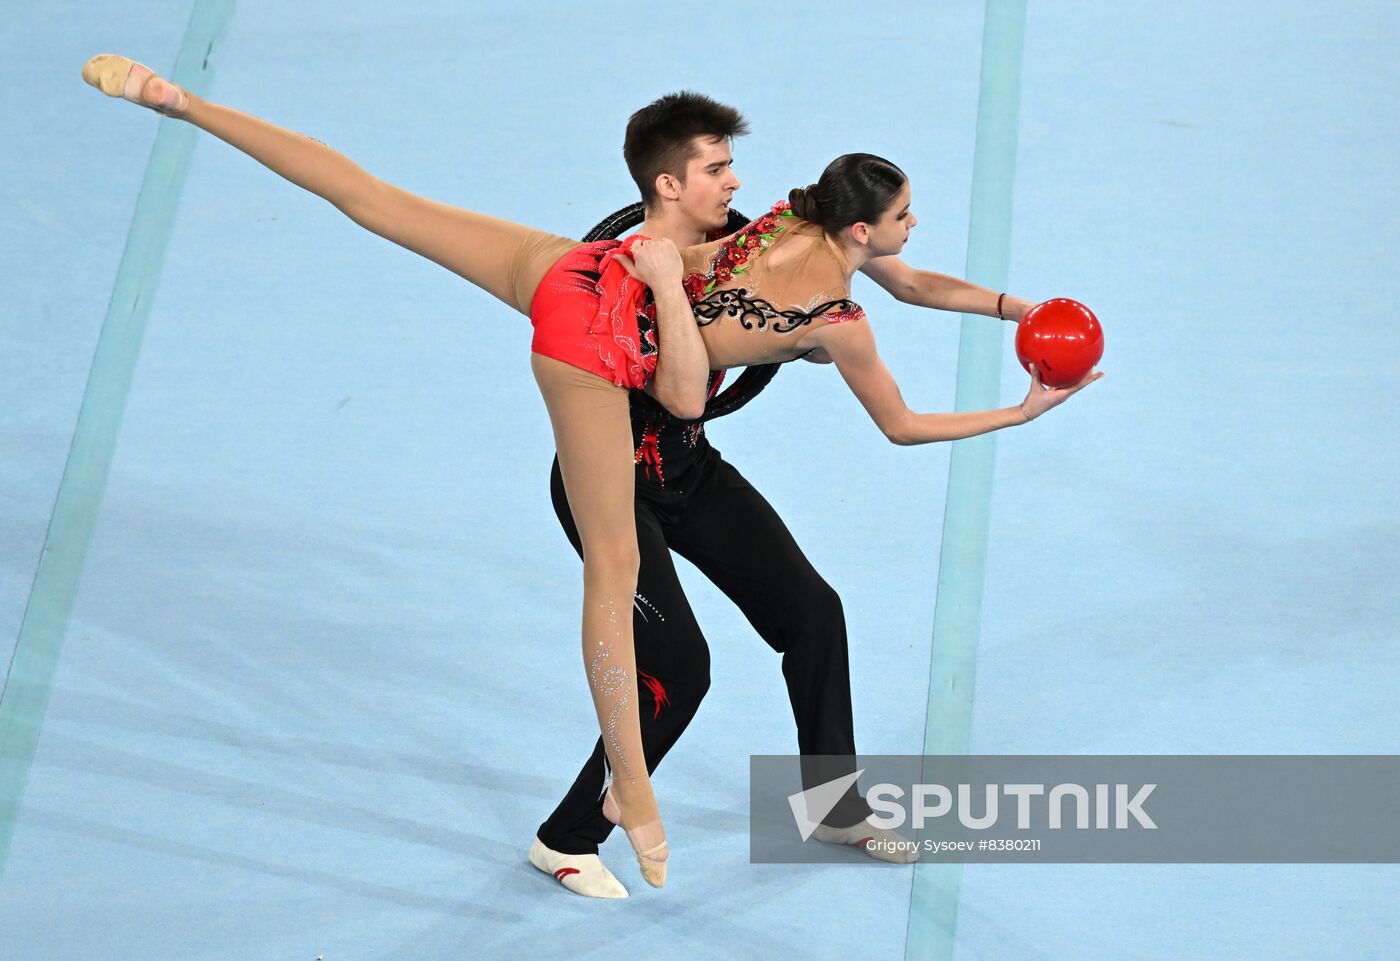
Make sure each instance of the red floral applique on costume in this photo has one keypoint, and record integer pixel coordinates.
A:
(733, 256)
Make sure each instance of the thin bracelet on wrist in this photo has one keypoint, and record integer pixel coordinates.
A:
(1027, 416)
(1000, 297)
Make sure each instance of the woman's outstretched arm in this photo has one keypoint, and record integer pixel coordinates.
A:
(925, 288)
(852, 347)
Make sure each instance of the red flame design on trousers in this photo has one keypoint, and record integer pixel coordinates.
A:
(649, 453)
(658, 692)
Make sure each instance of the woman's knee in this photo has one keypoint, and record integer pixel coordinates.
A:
(614, 562)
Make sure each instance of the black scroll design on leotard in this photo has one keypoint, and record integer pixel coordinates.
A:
(747, 385)
(755, 313)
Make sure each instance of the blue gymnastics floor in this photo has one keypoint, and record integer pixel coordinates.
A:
(316, 684)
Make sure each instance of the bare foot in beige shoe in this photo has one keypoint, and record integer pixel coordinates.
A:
(119, 77)
(651, 855)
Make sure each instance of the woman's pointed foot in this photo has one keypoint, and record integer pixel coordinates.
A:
(120, 77)
(650, 859)
(652, 862)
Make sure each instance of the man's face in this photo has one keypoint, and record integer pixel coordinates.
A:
(890, 233)
(709, 184)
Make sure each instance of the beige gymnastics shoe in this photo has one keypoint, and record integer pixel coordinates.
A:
(119, 77)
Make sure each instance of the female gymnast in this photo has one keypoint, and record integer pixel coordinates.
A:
(775, 291)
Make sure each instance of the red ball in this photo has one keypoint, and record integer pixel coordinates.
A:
(1062, 338)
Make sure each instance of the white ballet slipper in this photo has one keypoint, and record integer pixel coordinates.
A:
(581, 873)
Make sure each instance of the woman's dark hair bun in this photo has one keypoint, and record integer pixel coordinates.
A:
(804, 203)
(854, 187)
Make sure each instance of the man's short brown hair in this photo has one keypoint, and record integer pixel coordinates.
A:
(661, 136)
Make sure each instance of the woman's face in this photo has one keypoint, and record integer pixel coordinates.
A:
(889, 234)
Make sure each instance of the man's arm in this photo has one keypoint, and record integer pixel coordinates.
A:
(924, 288)
(682, 375)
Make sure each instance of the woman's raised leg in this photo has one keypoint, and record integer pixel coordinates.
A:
(503, 258)
(593, 434)
(592, 426)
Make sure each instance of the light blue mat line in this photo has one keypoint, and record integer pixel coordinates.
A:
(25, 696)
(933, 902)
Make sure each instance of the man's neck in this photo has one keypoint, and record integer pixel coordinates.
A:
(680, 231)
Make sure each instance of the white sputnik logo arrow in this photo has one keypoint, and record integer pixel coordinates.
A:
(815, 803)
